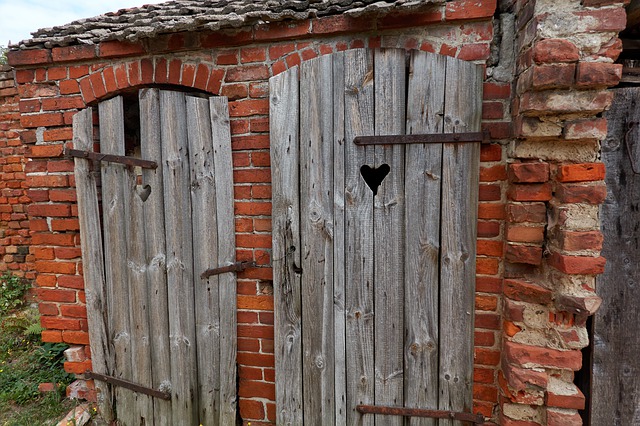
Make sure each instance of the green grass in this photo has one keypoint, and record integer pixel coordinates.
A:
(25, 362)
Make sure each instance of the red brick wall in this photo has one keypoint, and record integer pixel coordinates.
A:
(536, 176)
(14, 225)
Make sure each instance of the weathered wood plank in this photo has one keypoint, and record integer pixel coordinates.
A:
(138, 295)
(358, 106)
(316, 227)
(389, 205)
(460, 162)
(615, 382)
(285, 148)
(423, 172)
(340, 371)
(153, 208)
(223, 165)
(115, 250)
(177, 206)
(205, 237)
(93, 260)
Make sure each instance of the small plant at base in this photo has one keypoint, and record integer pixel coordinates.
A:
(12, 291)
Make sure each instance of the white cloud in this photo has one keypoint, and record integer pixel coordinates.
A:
(19, 18)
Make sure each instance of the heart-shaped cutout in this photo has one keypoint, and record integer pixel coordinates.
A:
(143, 192)
(374, 175)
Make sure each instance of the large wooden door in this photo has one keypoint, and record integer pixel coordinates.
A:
(153, 321)
(373, 246)
(615, 381)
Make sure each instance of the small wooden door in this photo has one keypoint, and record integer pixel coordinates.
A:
(373, 246)
(152, 320)
(615, 381)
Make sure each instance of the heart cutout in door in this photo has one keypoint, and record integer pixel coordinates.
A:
(374, 175)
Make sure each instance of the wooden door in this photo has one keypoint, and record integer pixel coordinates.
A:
(373, 246)
(153, 321)
(615, 381)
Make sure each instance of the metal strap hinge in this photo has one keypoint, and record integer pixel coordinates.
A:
(236, 267)
(420, 412)
(128, 385)
(424, 138)
(96, 156)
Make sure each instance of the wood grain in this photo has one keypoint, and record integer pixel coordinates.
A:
(93, 261)
(316, 227)
(285, 148)
(423, 177)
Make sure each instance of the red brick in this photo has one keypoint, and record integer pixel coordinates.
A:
(583, 172)
(71, 281)
(235, 91)
(48, 308)
(30, 105)
(528, 172)
(253, 54)
(281, 30)
(69, 102)
(598, 74)
(488, 229)
(490, 152)
(227, 57)
(530, 255)
(603, 20)
(484, 356)
(42, 120)
(565, 102)
(77, 367)
(24, 76)
(218, 39)
(251, 389)
(51, 336)
(493, 174)
(469, 9)
(586, 129)
(555, 50)
(44, 151)
(488, 284)
(496, 91)
(529, 192)
(491, 211)
(28, 57)
(256, 360)
(474, 52)
(487, 266)
(110, 49)
(585, 265)
(521, 379)
(519, 354)
(575, 401)
(484, 338)
(55, 267)
(248, 107)
(49, 210)
(492, 110)
(552, 76)
(251, 409)
(202, 77)
(73, 53)
(525, 234)
(574, 241)
(529, 212)
(489, 193)
(57, 323)
(588, 194)
(489, 248)
(97, 84)
(525, 291)
(74, 311)
(563, 418)
(486, 303)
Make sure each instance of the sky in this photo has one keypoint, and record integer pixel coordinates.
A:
(18, 18)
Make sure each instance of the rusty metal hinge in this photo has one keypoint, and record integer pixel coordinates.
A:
(96, 156)
(129, 385)
(425, 138)
(420, 412)
(236, 267)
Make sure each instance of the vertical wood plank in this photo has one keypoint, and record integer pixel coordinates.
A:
(205, 238)
(223, 165)
(423, 176)
(460, 162)
(340, 372)
(615, 382)
(93, 260)
(115, 238)
(358, 105)
(138, 295)
(180, 277)
(316, 226)
(389, 204)
(153, 208)
(285, 148)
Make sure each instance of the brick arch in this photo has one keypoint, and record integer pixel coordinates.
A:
(289, 54)
(116, 78)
